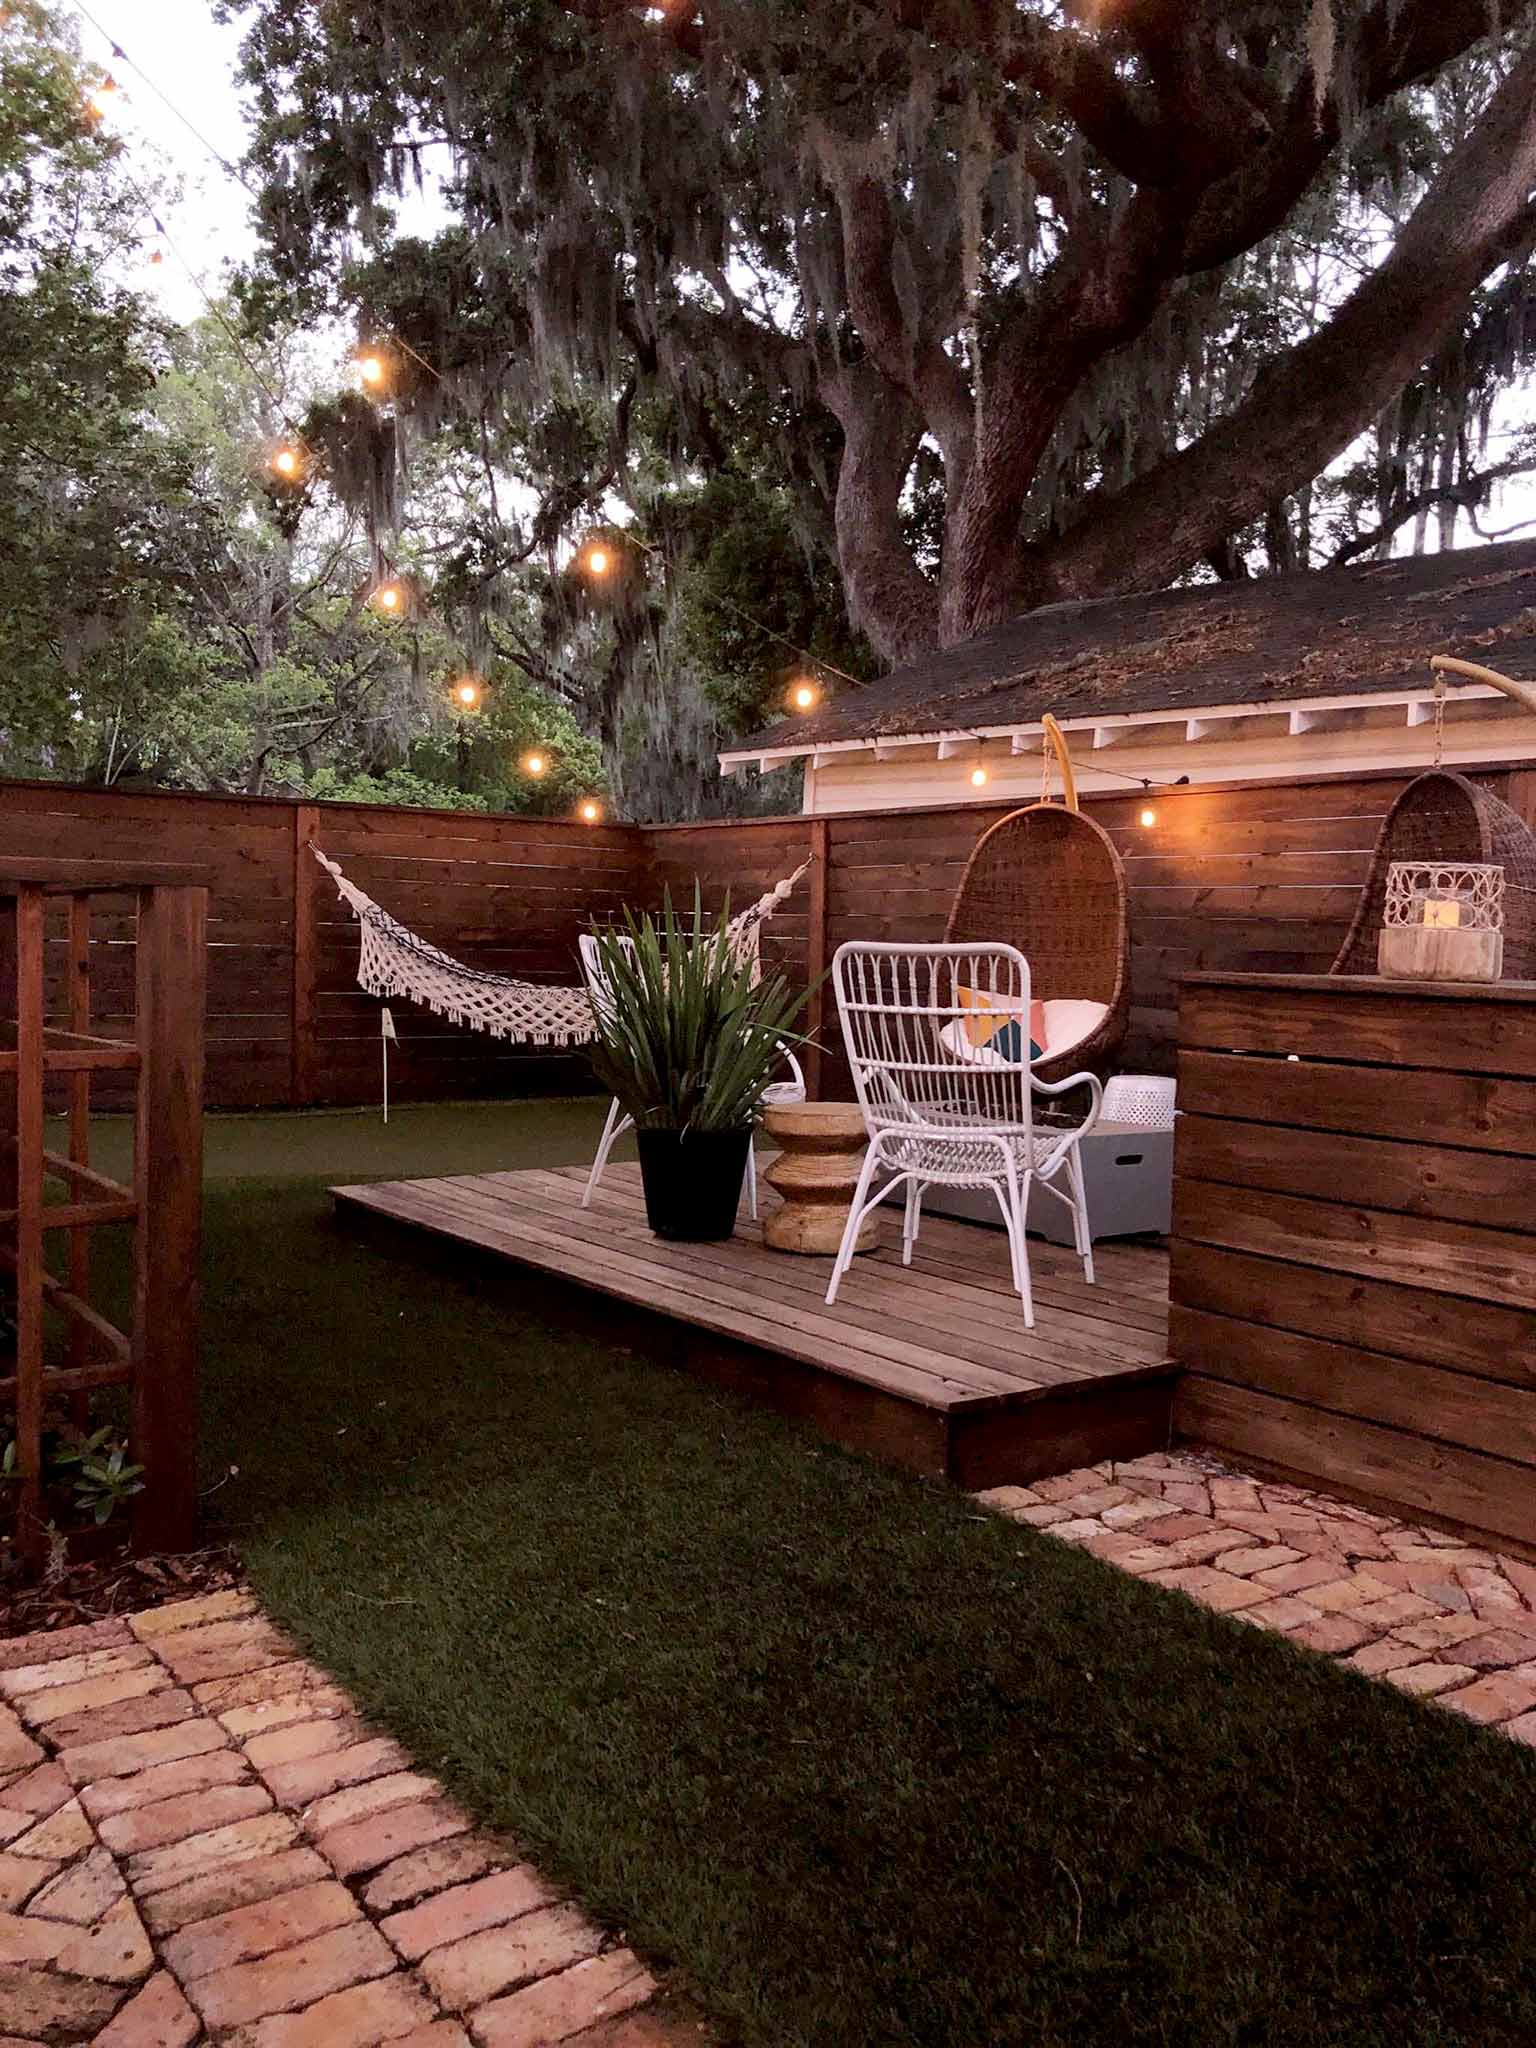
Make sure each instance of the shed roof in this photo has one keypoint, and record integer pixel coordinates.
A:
(1285, 640)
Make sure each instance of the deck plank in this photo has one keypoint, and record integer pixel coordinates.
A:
(979, 1311)
(943, 1339)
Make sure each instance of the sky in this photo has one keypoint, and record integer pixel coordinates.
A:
(192, 59)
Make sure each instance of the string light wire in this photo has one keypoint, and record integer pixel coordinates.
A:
(121, 56)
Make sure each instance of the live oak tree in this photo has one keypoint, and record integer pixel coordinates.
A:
(1010, 247)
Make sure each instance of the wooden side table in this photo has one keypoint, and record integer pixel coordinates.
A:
(822, 1149)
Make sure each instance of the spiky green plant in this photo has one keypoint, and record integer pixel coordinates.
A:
(686, 1039)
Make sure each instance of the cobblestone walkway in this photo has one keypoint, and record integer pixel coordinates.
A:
(1424, 1611)
(201, 1842)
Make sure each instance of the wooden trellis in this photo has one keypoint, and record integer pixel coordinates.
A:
(46, 910)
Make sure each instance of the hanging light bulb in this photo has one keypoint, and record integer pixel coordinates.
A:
(804, 695)
(1148, 817)
(288, 462)
(534, 765)
(373, 370)
(467, 694)
(103, 97)
(598, 561)
(590, 811)
(389, 598)
(978, 777)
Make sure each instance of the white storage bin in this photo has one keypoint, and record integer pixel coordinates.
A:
(1127, 1175)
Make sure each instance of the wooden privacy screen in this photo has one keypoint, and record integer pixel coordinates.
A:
(1259, 876)
(1354, 1252)
(508, 895)
(1262, 876)
(47, 906)
(286, 1022)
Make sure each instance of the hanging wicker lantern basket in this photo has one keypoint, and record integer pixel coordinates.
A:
(1442, 921)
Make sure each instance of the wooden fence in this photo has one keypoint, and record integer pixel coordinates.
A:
(1354, 1242)
(1261, 876)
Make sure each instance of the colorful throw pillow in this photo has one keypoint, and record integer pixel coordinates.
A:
(996, 1023)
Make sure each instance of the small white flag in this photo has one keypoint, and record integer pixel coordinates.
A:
(387, 1026)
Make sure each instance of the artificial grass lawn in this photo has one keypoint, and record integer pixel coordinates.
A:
(871, 1766)
(356, 1144)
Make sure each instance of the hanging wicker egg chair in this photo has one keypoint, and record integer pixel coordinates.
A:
(1049, 881)
(1442, 816)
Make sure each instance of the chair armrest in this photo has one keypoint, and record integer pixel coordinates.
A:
(1090, 1081)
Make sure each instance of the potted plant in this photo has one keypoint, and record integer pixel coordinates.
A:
(688, 1038)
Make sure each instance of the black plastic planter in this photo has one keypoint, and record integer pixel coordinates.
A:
(692, 1182)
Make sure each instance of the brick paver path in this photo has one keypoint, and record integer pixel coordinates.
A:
(200, 1842)
(1428, 1612)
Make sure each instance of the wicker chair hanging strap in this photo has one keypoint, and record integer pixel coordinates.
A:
(1057, 740)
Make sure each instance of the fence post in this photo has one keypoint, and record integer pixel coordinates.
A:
(30, 1266)
(306, 958)
(816, 956)
(168, 1188)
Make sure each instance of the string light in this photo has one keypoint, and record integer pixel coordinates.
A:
(103, 97)
(373, 370)
(1148, 817)
(805, 696)
(288, 462)
(467, 694)
(534, 765)
(598, 561)
(978, 777)
(590, 812)
(390, 598)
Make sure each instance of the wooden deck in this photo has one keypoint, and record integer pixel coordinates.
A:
(931, 1367)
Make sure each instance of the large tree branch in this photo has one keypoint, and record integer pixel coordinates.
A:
(1396, 48)
(1467, 495)
(1111, 278)
(1096, 296)
(915, 362)
(889, 597)
(1308, 407)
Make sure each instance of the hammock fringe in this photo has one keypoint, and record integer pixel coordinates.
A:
(394, 961)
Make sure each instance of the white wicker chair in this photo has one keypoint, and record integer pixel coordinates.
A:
(935, 1118)
(777, 1094)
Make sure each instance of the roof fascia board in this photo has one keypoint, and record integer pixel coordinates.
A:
(952, 740)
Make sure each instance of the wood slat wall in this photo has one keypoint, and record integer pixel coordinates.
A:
(244, 853)
(286, 1021)
(508, 895)
(1354, 1251)
(1260, 876)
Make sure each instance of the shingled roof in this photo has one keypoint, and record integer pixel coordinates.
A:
(1282, 640)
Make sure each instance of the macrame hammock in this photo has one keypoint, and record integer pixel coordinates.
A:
(394, 961)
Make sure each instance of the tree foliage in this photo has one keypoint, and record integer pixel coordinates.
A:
(1016, 281)
(78, 515)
